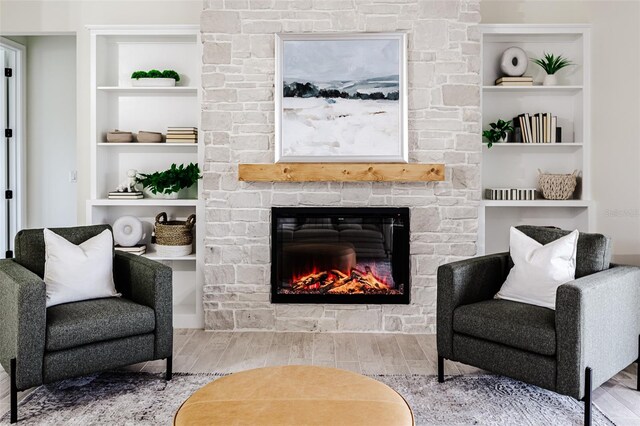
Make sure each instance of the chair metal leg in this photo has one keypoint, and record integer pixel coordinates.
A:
(587, 396)
(440, 369)
(169, 375)
(638, 370)
(14, 391)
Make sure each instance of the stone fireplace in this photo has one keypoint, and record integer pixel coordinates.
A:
(238, 127)
(340, 255)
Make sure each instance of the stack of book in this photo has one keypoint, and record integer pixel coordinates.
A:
(137, 249)
(525, 80)
(130, 195)
(511, 194)
(538, 128)
(182, 135)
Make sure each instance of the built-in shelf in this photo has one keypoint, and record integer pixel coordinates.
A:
(535, 89)
(151, 202)
(131, 89)
(155, 145)
(341, 172)
(537, 203)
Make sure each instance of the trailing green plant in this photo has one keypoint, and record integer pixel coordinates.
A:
(156, 74)
(171, 180)
(551, 64)
(497, 132)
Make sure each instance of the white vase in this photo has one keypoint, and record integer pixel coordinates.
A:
(550, 80)
(159, 195)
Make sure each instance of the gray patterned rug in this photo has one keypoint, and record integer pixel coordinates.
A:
(146, 399)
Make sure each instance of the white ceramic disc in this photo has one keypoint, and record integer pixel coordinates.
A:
(127, 231)
(514, 62)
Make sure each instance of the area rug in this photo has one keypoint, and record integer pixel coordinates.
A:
(146, 399)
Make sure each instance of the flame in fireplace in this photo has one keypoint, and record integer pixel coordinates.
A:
(355, 281)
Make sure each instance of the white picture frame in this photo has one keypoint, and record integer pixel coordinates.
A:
(349, 127)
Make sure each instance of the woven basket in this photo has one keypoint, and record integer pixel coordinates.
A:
(557, 186)
(174, 232)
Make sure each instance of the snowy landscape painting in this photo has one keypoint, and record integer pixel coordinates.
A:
(341, 98)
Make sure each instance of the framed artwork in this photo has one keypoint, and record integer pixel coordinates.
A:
(341, 98)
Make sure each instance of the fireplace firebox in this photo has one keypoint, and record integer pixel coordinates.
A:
(340, 255)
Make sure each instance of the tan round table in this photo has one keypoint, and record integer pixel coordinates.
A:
(295, 395)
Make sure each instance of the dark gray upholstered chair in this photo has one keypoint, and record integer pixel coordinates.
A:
(591, 336)
(40, 345)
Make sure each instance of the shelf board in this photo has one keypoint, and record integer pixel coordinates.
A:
(534, 89)
(537, 203)
(131, 89)
(158, 145)
(154, 256)
(152, 202)
(341, 172)
(537, 145)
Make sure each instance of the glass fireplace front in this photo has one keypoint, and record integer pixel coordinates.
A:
(340, 255)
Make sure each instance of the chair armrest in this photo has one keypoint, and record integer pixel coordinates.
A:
(23, 321)
(148, 283)
(464, 282)
(597, 326)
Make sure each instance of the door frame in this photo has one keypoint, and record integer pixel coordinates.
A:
(19, 131)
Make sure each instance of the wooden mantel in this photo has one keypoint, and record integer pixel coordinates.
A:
(341, 172)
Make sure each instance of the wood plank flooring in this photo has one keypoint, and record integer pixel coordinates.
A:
(198, 351)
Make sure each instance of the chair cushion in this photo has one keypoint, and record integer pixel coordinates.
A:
(79, 323)
(519, 325)
(594, 250)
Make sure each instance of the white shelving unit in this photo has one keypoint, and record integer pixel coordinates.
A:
(117, 51)
(515, 165)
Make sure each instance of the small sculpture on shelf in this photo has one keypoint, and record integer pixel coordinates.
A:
(127, 189)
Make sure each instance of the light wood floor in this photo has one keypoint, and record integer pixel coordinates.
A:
(227, 352)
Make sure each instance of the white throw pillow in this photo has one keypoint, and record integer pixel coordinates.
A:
(539, 270)
(73, 273)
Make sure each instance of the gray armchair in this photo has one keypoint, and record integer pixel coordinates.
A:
(591, 336)
(42, 345)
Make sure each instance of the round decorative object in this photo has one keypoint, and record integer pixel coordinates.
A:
(127, 231)
(514, 62)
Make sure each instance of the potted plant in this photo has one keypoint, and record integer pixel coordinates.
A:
(551, 64)
(155, 78)
(498, 132)
(171, 183)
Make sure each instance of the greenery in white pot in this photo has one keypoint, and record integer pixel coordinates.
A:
(497, 132)
(551, 64)
(168, 183)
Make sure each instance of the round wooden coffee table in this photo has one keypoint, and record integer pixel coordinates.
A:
(295, 395)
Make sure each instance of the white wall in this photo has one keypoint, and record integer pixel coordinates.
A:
(615, 105)
(51, 131)
(25, 17)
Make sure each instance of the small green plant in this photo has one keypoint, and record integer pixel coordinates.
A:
(156, 74)
(172, 180)
(497, 132)
(139, 74)
(551, 64)
(171, 74)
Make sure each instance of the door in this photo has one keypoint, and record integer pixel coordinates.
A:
(11, 147)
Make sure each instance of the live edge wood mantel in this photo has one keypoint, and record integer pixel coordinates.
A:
(341, 172)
